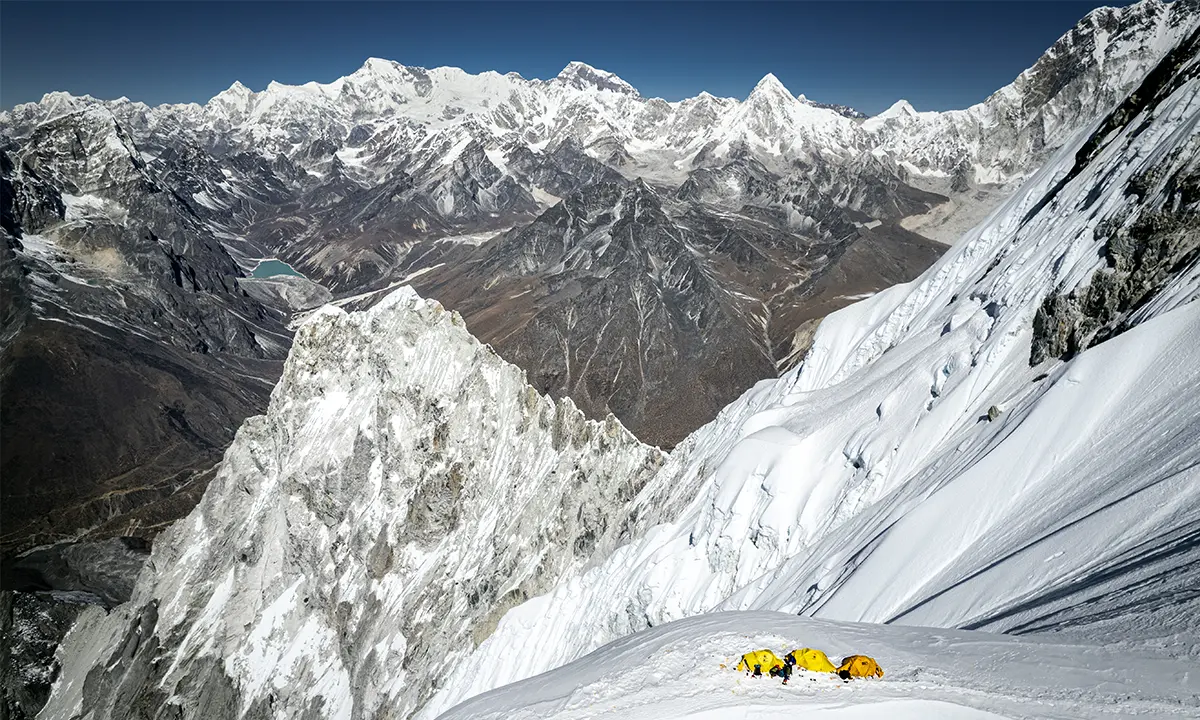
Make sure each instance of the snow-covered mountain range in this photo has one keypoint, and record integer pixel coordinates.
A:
(387, 117)
(1006, 443)
(471, 147)
(647, 258)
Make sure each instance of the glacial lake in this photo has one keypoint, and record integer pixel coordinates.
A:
(272, 267)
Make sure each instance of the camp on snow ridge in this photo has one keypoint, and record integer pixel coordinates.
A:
(811, 659)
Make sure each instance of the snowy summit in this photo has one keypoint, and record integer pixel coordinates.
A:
(582, 76)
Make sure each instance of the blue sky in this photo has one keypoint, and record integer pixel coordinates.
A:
(937, 55)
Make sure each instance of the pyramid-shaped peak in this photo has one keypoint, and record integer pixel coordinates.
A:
(641, 187)
(899, 109)
(770, 88)
(639, 193)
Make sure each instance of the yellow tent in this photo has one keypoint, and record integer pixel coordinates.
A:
(764, 659)
(811, 659)
(859, 666)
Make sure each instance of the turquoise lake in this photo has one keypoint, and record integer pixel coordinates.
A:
(272, 267)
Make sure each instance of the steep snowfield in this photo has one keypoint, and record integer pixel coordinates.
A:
(1078, 505)
(674, 671)
(869, 484)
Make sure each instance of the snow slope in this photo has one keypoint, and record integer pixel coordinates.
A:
(675, 671)
(870, 485)
(984, 143)
(1057, 502)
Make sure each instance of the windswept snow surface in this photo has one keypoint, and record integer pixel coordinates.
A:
(675, 671)
(869, 484)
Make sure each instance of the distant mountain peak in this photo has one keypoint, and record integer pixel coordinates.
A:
(582, 76)
(378, 66)
(770, 90)
(384, 73)
(770, 85)
(899, 109)
(59, 101)
(238, 89)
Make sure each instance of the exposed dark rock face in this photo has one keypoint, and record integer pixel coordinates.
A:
(31, 627)
(659, 312)
(1143, 258)
(843, 110)
(130, 354)
(44, 592)
(1143, 252)
(104, 570)
(567, 169)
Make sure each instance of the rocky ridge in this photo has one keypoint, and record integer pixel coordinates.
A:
(472, 492)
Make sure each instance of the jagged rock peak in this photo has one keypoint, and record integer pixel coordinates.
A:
(61, 96)
(393, 437)
(54, 104)
(582, 76)
(236, 96)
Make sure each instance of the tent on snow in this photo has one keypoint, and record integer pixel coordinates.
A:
(811, 659)
(859, 666)
(764, 660)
